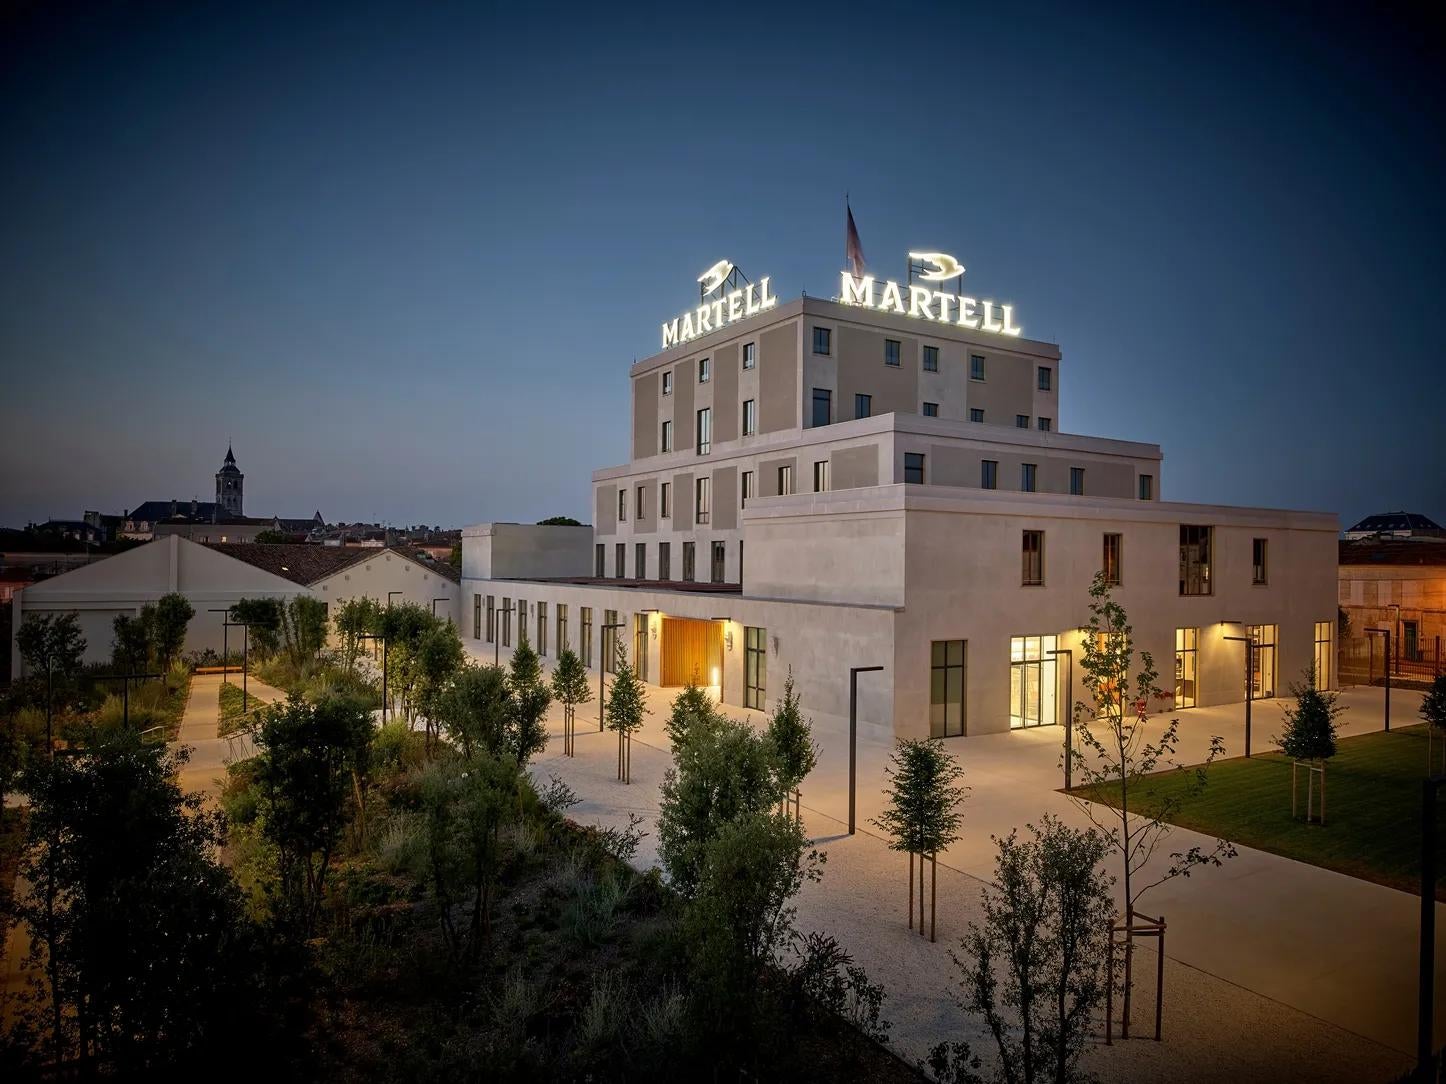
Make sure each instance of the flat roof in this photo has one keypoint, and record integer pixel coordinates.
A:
(682, 586)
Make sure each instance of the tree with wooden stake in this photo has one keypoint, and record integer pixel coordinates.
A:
(626, 709)
(791, 736)
(570, 688)
(1310, 738)
(923, 814)
(530, 700)
(1433, 710)
(1113, 753)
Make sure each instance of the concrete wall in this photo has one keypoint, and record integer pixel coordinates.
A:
(519, 550)
(383, 576)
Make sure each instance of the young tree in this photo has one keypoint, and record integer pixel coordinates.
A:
(131, 647)
(1310, 735)
(1113, 753)
(1046, 932)
(438, 657)
(530, 700)
(1433, 710)
(689, 706)
(476, 711)
(626, 708)
(355, 618)
(262, 618)
(923, 814)
(168, 623)
(570, 687)
(303, 628)
(51, 648)
(791, 736)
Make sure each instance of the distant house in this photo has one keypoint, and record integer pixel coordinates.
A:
(237, 528)
(1396, 525)
(1397, 584)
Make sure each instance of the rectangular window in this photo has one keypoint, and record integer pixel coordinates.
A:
(1258, 552)
(542, 628)
(622, 505)
(719, 555)
(1187, 667)
(1033, 681)
(491, 618)
(703, 500)
(521, 620)
(822, 406)
(609, 655)
(665, 500)
(1045, 424)
(476, 617)
(863, 405)
(891, 352)
(507, 622)
(749, 355)
(1112, 561)
(667, 436)
(1076, 481)
(640, 646)
(1044, 378)
(820, 476)
(976, 366)
(1195, 559)
(688, 561)
(1028, 477)
(668, 382)
(931, 359)
(665, 560)
(640, 560)
(1021, 421)
(931, 410)
(1033, 551)
(640, 507)
(705, 370)
(1263, 667)
(785, 480)
(914, 467)
(562, 641)
(975, 414)
(755, 667)
(1147, 487)
(822, 340)
(705, 430)
(750, 417)
(746, 491)
(584, 642)
(1324, 655)
(946, 688)
(620, 556)
(989, 474)
(599, 561)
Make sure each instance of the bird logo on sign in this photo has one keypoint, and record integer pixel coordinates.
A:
(945, 266)
(714, 276)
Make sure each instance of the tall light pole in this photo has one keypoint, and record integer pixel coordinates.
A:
(1068, 653)
(602, 669)
(854, 672)
(1387, 660)
(1249, 643)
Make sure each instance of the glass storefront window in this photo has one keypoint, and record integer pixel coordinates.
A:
(1262, 675)
(1187, 667)
(1032, 684)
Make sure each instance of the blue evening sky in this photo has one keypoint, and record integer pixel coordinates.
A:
(402, 256)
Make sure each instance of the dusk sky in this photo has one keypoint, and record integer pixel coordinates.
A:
(402, 257)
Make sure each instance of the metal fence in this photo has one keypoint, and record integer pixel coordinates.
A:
(1363, 660)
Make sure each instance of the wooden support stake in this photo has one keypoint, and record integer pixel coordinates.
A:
(911, 890)
(933, 894)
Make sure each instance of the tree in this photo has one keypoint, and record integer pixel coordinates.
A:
(168, 624)
(791, 736)
(1113, 753)
(51, 648)
(1310, 735)
(530, 701)
(689, 706)
(558, 521)
(271, 537)
(1433, 710)
(1046, 933)
(131, 647)
(626, 708)
(570, 688)
(303, 628)
(923, 815)
(475, 710)
(262, 618)
(355, 618)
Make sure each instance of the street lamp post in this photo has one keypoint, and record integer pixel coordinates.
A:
(125, 680)
(1386, 659)
(1068, 653)
(245, 646)
(602, 669)
(1249, 643)
(854, 672)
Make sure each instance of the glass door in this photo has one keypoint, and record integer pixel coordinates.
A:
(640, 646)
(1262, 676)
(1187, 642)
(755, 667)
(1031, 681)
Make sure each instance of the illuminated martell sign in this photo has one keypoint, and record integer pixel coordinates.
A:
(730, 305)
(925, 303)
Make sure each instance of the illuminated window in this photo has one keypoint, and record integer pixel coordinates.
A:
(976, 414)
(976, 366)
(946, 688)
(1258, 552)
(1263, 668)
(1044, 378)
(1112, 563)
(1187, 667)
(1033, 679)
(914, 467)
(931, 359)
(891, 352)
(1076, 481)
(931, 410)
(1033, 557)
(750, 417)
(748, 355)
(1028, 477)
(822, 340)
(863, 405)
(705, 370)
(1195, 545)
(1324, 655)
(755, 667)
(989, 474)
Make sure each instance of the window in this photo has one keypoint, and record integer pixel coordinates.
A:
(1076, 481)
(1045, 424)
(521, 620)
(1028, 477)
(622, 505)
(755, 667)
(640, 560)
(599, 561)
(989, 474)
(863, 405)
(665, 560)
(665, 500)
(562, 641)
(1324, 656)
(822, 406)
(891, 352)
(976, 366)
(975, 414)
(1112, 561)
(1044, 378)
(914, 467)
(640, 646)
(740, 561)
(476, 617)
(1187, 667)
(620, 556)
(1195, 559)
(747, 489)
(506, 622)
(750, 417)
(1033, 679)
(820, 476)
(946, 688)
(688, 549)
(668, 382)
(785, 480)
(822, 340)
(585, 637)
(542, 628)
(719, 555)
(1258, 552)
(1147, 487)
(1021, 421)
(667, 436)
(931, 359)
(1263, 669)
(1033, 551)
(705, 430)
(749, 355)
(705, 370)
(1411, 640)
(640, 506)
(931, 410)
(491, 618)
(609, 654)
(702, 499)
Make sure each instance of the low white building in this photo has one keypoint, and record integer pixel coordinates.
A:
(817, 486)
(215, 577)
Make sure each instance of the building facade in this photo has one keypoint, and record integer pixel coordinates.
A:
(822, 485)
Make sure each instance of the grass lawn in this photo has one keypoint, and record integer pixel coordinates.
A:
(232, 718)
(1373, 808)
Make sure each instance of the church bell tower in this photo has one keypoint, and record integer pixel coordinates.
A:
(229, 481)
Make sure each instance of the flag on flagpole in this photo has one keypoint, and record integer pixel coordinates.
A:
(853, 247)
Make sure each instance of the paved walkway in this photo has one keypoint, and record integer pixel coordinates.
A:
(1273, 966)
(210, 754)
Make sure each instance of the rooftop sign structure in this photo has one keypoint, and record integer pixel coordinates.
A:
(725, 297)
(925, 303)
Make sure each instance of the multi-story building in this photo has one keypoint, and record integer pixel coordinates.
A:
(818, 485)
